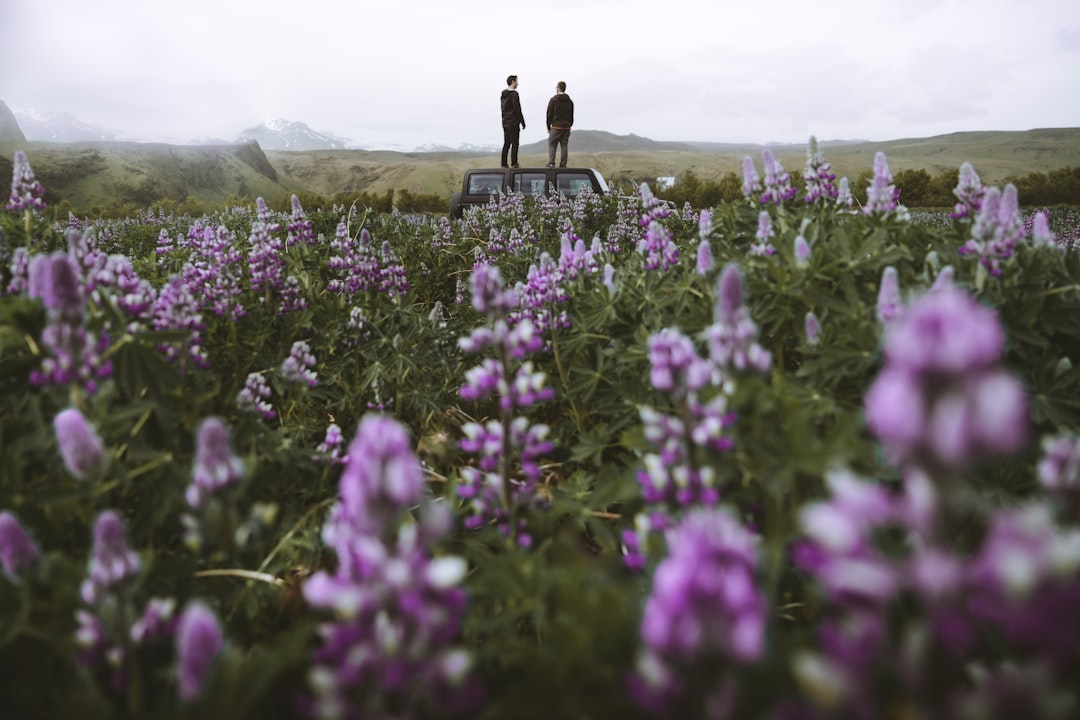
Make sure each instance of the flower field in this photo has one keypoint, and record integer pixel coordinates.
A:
(596, 457)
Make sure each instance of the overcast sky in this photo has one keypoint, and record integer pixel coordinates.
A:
(411, 72)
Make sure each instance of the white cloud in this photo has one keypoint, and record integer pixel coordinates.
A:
(429, 71)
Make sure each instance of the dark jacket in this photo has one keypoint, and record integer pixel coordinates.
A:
(511, 109)
(560, 112)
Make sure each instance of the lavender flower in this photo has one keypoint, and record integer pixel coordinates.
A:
(299, 229)
(969, 193)
(659, 247)
(1041, 235)
(113, 564)
(26, 191)
(889, 305)
(942, 399)
(704, 258)
(778, 187)
(177, 309)
(732, 337)
(265, 263)
(705, 610)
(818, 174)
(18, 551)
(1059, 468)
(489, 296)
(751, 182)
(55, 279)
(398, 610)
(215, 468)
(705, 226)
(198, 643)
(80, 446)
(299, 366)
(254, 395)
(998, 227)
(329, 450)
(801, 251)
(881, 194)
(812, 328)
(844, 197)
(763, 247)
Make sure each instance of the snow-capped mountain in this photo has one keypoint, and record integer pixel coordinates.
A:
(464, 147)
(277, 134)
(62, 127)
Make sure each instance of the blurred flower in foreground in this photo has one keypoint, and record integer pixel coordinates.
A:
(80, 446)
(943, 399)
(18, 551)
(705, 611)
(215, 466)
(198, 643)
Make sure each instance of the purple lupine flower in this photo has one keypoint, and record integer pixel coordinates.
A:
(942, 399)
(609, 277)
(177, 309)
(113, 564)
(489, 295)
(881, 194)
(732, 337)
(156, 623)
(944, 279)
(20, 271)
(26, 191)
(705, 610)
(381, 478)
(998, 227)
(215, 468)
(705, 226)
(398, 610)
(1041, 235)
(265, 263)
(55, 279)
(355, 262)
(253, 398)
(801, 251)
(299, 366)
(751, 182)
(299, 229)
(659, 247)
(79, 443)
(329, 450)
(392, 277)
(676, 367)
(812, 327)
(198, 643)
(704, 258)
(969, 193)
(844, 197)
(777, 183)
(818, 174)
(213, 271)
(1059, 468)
(763, 247)
(889, 305)
(540, 295)
(18, 551)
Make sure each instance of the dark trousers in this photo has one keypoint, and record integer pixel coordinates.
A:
(511, 140)
(562, 139)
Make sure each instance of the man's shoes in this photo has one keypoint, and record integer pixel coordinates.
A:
(515, 166)
(550, 165)
(504, 166)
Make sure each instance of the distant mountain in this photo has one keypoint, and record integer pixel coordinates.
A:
(277, 134)
(601, 141)
(62, 127)
(9, 126)
(463, 148)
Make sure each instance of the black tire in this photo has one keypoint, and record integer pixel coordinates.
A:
(455, 206)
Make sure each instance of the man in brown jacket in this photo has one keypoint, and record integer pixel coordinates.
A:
(560, 118)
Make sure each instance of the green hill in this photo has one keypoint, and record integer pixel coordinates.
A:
(89, 174)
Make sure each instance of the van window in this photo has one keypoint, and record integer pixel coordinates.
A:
(531, 183)
(485, 183)
(571, 184)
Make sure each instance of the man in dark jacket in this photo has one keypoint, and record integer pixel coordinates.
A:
(511, 118)
(560, 118)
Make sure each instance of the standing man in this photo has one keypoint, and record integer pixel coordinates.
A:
(511, 118)
(560, 118)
